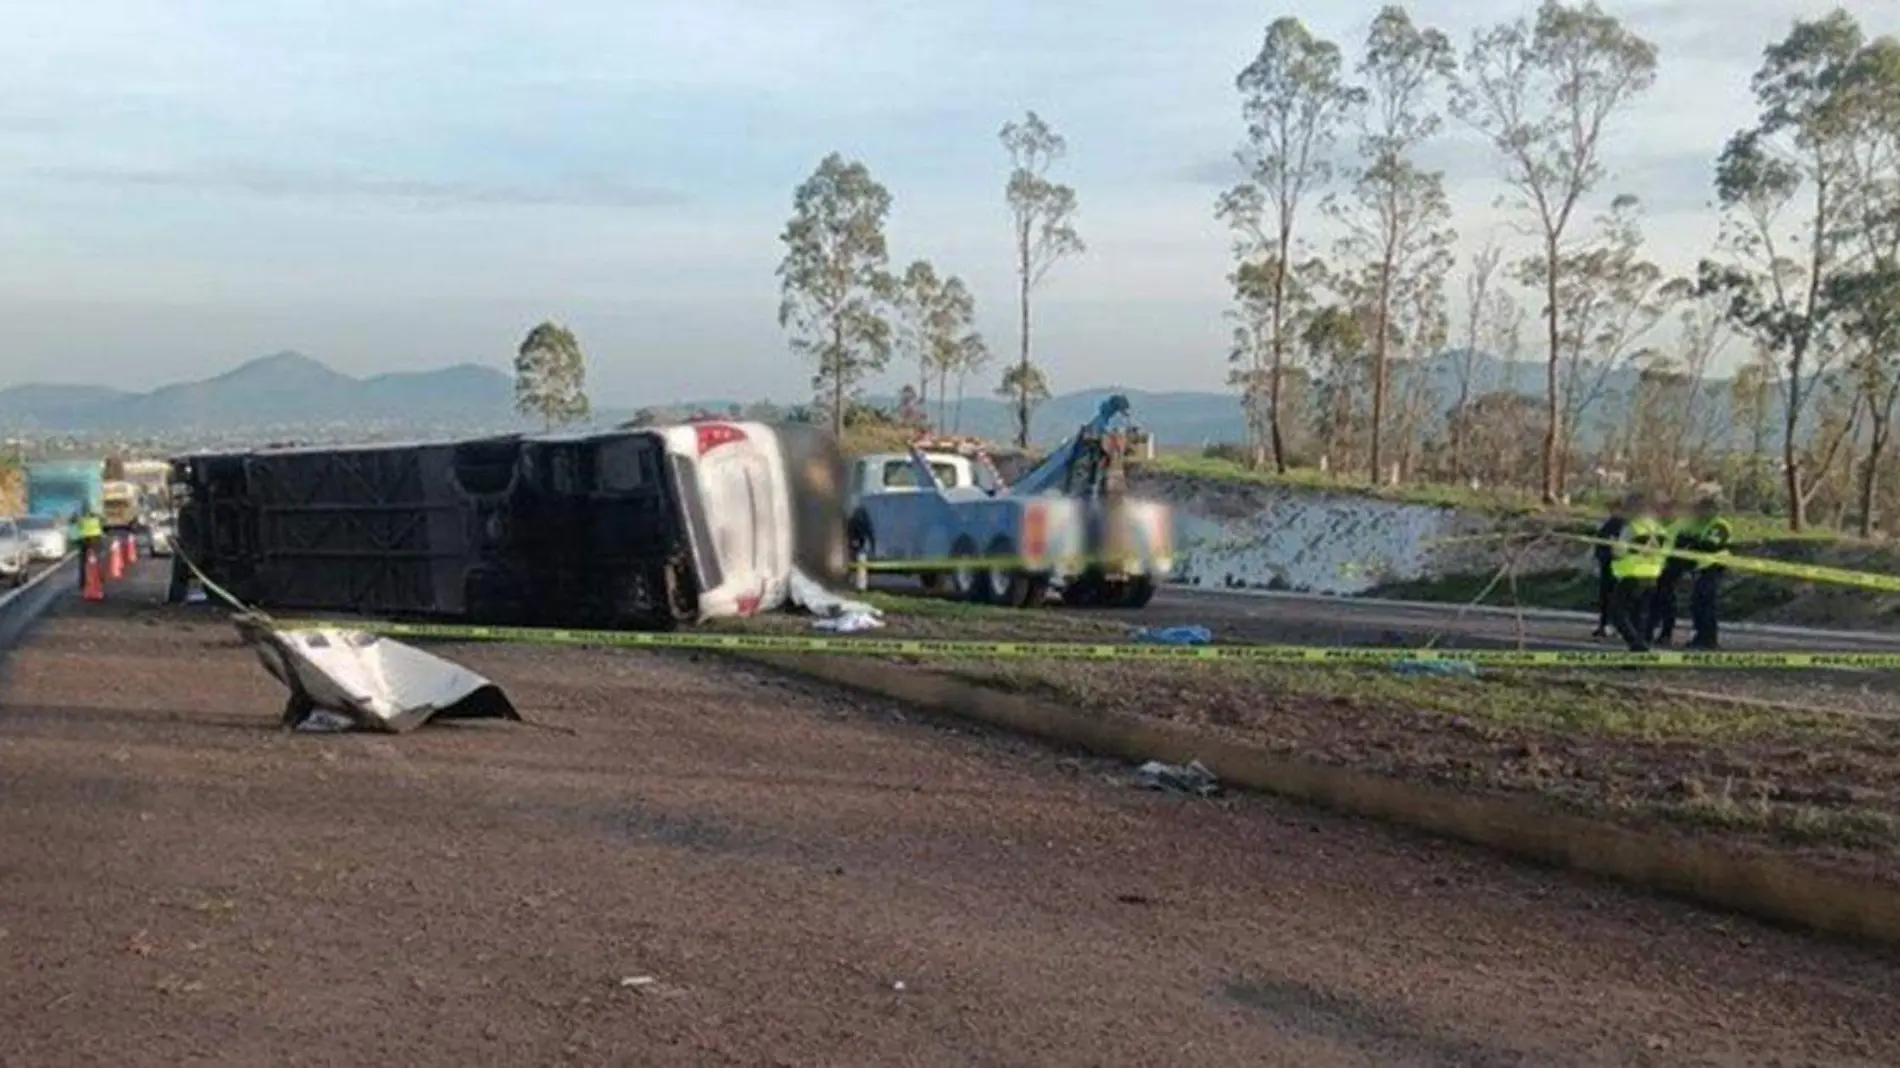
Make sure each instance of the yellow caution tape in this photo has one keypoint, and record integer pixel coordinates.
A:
(923, 648)
(926, 648)
(1816, 573)
(1066, 564)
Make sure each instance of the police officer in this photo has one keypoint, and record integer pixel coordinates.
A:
(1662, 610)
(1636, 562)
(1609, 532)
(91, 533)
(1709, 533)
(73, 543)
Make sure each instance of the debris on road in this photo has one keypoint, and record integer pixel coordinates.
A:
(367, 681)
(1188, 635)
(323, 721)
(1193, 779)
(834, 612)
(1442, 669)
(849, 623)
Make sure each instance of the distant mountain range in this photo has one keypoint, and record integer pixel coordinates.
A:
(290, 393)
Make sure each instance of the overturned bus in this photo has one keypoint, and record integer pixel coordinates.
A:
(632, 528)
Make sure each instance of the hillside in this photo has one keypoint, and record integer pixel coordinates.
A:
(286, 390)
(293, 392)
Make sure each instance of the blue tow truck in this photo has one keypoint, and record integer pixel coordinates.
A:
(1067, 526)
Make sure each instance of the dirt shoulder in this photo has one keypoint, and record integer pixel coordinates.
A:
(1807, 765)
(705, 864)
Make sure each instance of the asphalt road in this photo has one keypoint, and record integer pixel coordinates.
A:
(1315, 619)
(700, 863)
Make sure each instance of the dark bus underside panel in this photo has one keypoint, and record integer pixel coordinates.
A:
(580, 531)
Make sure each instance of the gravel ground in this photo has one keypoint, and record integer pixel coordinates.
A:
(701, 864)
(1805, 763)
(1822, 786)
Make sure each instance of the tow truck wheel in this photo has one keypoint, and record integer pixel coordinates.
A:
(1135, 592)
(1087, 590)
(862, 548)
(967, 582)
(1009, 588)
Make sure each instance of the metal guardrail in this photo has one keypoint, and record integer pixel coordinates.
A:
(21, 608)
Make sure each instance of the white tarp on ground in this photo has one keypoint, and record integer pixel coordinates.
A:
(373, 683)
(833, 611)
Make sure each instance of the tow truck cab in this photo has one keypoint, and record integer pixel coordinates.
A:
(893, 472)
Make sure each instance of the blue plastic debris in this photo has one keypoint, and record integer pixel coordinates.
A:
(1444, 669)
(1173, 636)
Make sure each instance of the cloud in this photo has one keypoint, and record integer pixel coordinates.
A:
(327, 174)
(294, 184)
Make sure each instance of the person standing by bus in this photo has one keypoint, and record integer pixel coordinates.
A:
(1607, 534)
(1636, 562)
(91, 533)
(1709, 533)
(1664, 604)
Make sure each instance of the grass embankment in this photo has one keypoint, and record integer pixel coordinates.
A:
(1744, 596)
(1811, 781)
(1752, 530)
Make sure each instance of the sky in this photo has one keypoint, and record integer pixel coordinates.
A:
(187, 184)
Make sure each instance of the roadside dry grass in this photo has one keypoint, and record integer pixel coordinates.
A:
(1805, 779)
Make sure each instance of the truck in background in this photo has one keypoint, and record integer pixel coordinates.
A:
(153, 481)
(61, 489)
(119, 505)
(1067, 525)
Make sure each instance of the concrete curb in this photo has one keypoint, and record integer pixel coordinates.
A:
(21, 608)
(1766, 887)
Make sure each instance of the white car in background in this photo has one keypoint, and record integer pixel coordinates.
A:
(159, 535)
(45, 537)
(15, 556)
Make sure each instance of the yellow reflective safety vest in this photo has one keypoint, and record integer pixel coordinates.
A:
(90, 527)
(1711, 537)
(1638, 553)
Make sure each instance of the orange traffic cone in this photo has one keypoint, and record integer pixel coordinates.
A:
(131, 550)
(95, 586)
(115, 563)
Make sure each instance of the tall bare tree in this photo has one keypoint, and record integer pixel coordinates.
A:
(1424, 329)
(917, 289)
(1295, 99)
(1025, 383)
(1610, 299)
(1751, 397)
(1792, 195)
(1042, 214)
(551, 376)
(1543, 91)
(834, 287)
(940, 317)
(1874, 322)
(1396, 214)
(1494, 329)
(1335, 341)
(1869, 293)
